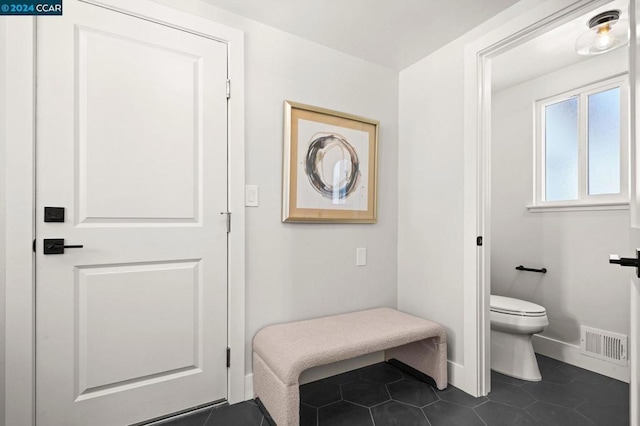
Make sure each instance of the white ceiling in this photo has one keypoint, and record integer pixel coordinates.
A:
(391, 33)
(551, 51)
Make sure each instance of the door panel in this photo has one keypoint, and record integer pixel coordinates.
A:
(158, 115)
(162, 300)
(131, 140)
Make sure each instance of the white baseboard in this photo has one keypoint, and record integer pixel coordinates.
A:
(248, 387)
(571, 354)
(455, 374)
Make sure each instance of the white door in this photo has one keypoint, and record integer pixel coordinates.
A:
(132, 142)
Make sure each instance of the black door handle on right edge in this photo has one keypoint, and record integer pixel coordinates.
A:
(627, 261)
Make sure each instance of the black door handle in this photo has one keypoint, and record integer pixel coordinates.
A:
(56, 246)
(627, 261)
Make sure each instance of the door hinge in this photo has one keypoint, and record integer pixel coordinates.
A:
(479, 241)
(228, 221)
(228, 89)
(228, 357)
(34, 246)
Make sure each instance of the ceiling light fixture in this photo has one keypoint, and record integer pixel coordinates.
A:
(606, 32)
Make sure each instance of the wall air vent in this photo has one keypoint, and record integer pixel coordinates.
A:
(604, 345)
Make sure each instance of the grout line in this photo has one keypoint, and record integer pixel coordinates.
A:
(478, 416)
(425, 414)
(483, 403)
(469, 406)
(557, 405)
(509, 405)
(209, 416)
(326, 405)
(580, 405)
(410, 405)
(583, 416)
(388, 392)
(529, 393)
(383, 402)
(355, 403)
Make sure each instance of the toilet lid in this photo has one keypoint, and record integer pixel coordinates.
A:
(511, 306)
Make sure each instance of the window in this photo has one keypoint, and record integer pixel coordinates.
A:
(582, 147)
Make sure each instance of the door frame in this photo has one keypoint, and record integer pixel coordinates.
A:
(477, 179)
(20, 135)
(634, 343)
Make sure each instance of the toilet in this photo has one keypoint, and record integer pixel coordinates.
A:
(513, 324)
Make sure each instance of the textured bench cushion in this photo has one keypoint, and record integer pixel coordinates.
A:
(291, 348)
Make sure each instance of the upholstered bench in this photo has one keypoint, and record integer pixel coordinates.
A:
(281, 352)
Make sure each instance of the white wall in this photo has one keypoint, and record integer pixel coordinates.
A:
(581, 287)
(432, 249)
(430, 191)
(297, 271)
(431, 185)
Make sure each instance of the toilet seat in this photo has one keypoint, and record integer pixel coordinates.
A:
(516, 307)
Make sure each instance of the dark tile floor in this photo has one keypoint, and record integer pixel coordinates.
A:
(382, 395)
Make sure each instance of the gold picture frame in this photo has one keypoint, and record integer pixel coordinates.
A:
(330, 166)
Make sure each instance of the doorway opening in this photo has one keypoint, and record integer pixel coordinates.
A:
(518, 77)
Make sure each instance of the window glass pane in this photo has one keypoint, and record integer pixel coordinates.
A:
(604, 142)
(561, 150)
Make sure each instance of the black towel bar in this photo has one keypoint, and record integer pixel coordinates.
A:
(522, 268)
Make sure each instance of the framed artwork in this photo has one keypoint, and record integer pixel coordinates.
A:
(330, 166)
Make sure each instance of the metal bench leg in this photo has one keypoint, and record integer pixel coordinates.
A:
(427, 356)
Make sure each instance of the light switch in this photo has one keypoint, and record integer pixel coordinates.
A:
(361, 256)
(251, 196)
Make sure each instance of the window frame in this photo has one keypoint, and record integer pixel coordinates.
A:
(585, 200)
